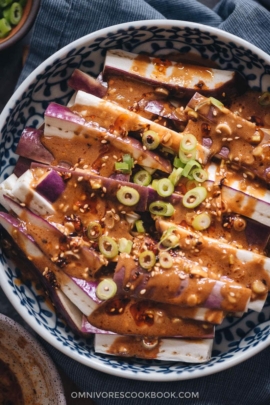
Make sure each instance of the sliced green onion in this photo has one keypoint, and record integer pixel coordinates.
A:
(161, 208)
(200, 175)
(175, 175)
(122, 166)
(178, 162)
(125, 245)
(94, 230)
(150, 139)
(108, 247)
(191, 164)
(127, 196)
(265, 98)
(165, 188)
(155, 184)
(188, 143)
(147, 259)
(143, 178)
(5, 28)
(216, 102)
(186, 157)
(201, 221)
(169, 239)
(165, 260)
(106, 289)
(129, 160)
(15, 13)
(194, 197)
(139, 226)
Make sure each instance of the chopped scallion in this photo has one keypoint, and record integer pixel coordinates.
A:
(128, 196)
(194, 197)
(143, 178)
(165, 187)
(150, 139)
(147, 259)
(106, 289)
(108, 247)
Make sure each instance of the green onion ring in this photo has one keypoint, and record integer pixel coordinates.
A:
(200, 175)
(201, 221)
(150, 139)
(186, 157)
(188, 143)
(265, 98)
(106, 289)
(165, 187)
(143, 178)
(165, 260)
(194, 197)
(147, 259)
(191, 164)
(161, 208)
(128, 196)
(94, 230)
(108, 247)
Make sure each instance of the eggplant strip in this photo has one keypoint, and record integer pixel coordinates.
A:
(63, 124)
(245, 267)
(246, 145)
(179, 78)
(146, 318)
(121, 121)
(186, 350)
(177, 288)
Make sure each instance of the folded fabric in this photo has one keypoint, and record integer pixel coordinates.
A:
(60, 22)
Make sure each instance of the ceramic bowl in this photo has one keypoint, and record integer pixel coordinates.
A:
(19, 31)
(236, 339)
(30, 364)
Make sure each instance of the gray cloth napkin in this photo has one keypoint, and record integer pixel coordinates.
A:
(61, 21)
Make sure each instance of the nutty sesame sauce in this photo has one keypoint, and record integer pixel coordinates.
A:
(132, 347)
(182, 287)
(146, 318)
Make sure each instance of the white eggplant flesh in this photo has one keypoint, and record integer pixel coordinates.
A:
(73, 289)
(23, 191)
(252, 202)
(6, 188)
(178, 77)
(188, 351)
(71, 312)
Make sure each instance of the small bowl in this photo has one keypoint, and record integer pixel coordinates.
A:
(236, 339)
(19, 31)
(34, 370)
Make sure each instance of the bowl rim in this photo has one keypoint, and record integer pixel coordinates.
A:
(25, 28)
(38, 349)
(95, 364)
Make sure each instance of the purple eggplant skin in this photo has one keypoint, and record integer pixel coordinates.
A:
(52, 186)
(25, 247)
(80, 80)
(22, 165)
(156, 288)
(237, 85)
(50, 237)
(31, 147)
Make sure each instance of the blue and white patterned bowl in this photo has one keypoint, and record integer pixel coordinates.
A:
(237, 339)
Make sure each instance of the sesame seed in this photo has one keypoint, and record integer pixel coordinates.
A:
(143, 291)
(80, 179)
(104, 141)
(239, 126)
